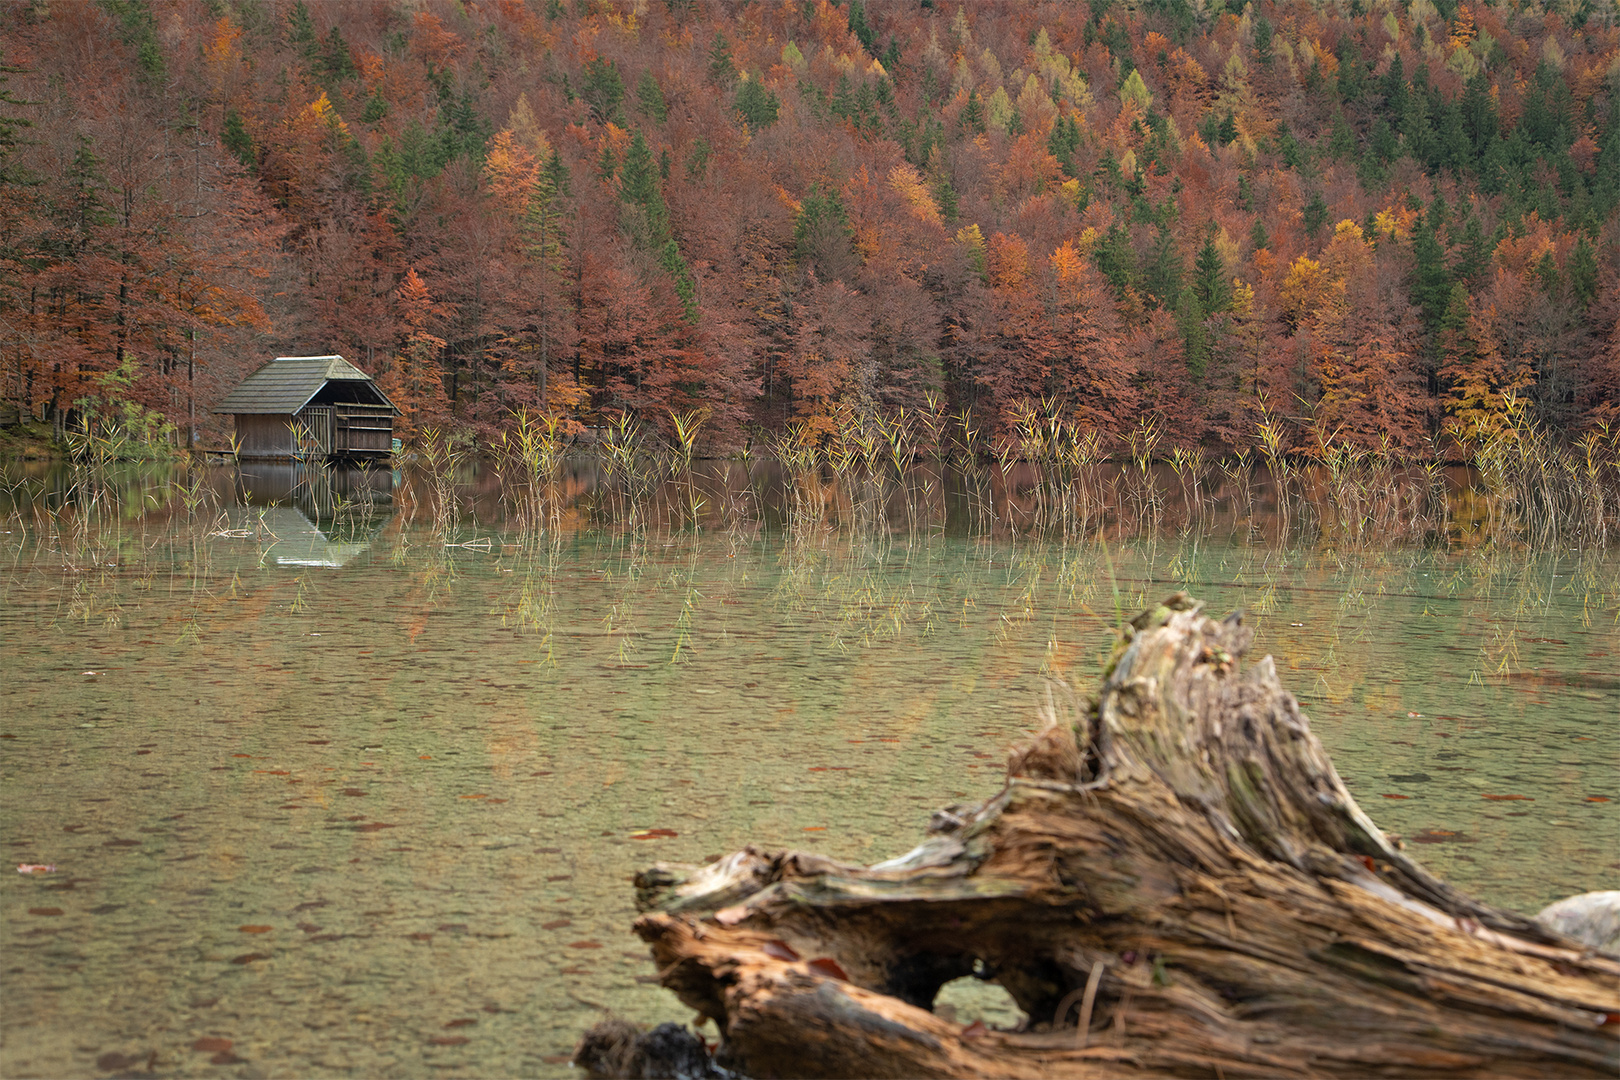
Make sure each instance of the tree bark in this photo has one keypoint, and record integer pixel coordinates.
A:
(1175, 865)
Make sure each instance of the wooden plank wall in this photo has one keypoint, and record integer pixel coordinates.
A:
(264, 436)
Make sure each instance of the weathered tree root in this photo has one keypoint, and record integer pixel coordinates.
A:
(616, 1047)
(1185, 838)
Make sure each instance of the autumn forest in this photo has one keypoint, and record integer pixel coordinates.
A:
(1384, 224)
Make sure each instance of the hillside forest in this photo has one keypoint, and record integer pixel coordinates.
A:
(1386, 224)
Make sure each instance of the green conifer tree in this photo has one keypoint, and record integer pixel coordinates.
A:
(860, 27)
(1211, 283)
(1258, 236)
(1316, 215)
(757, 105)
(1431, 278)
(238, 140)
(722, 72)
(650, 98)
(972, 118)
(1583, 274)
(335, 64)
(604, 91)
(301, 30)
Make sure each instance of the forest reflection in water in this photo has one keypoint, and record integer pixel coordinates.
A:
(351, 770)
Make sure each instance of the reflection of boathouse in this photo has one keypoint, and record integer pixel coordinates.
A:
(310, 407)
(309, 515)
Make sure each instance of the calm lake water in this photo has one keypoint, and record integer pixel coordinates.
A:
(358, 801)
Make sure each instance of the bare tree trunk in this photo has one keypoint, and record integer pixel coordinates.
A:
(1176, 865)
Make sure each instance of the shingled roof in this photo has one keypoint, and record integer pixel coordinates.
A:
(285, 384)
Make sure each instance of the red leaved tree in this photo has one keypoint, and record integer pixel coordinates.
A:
(414, 378)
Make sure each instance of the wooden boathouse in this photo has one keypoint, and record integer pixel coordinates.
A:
(302, 407)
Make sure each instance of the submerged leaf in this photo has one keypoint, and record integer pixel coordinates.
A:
(826, 965)
(780, 950)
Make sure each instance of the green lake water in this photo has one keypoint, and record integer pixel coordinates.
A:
(363, 803)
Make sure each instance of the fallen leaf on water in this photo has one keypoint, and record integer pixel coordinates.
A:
(1397, 796)
(1589, 798)
(1507, 798)
(353, 792)
(44, 911)
(584, 944)
(255, 930)
(826, 965)
(248, 958)
(424, 757)
(465, 1021)
(815, 828)
(273, 772)
(242, 755)
(781, 950)
(44, 868)
(556, 924)
(449, 1040)
(210, 1044)
(654, 834)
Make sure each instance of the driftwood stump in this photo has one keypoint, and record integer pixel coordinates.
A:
(1173, 882)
